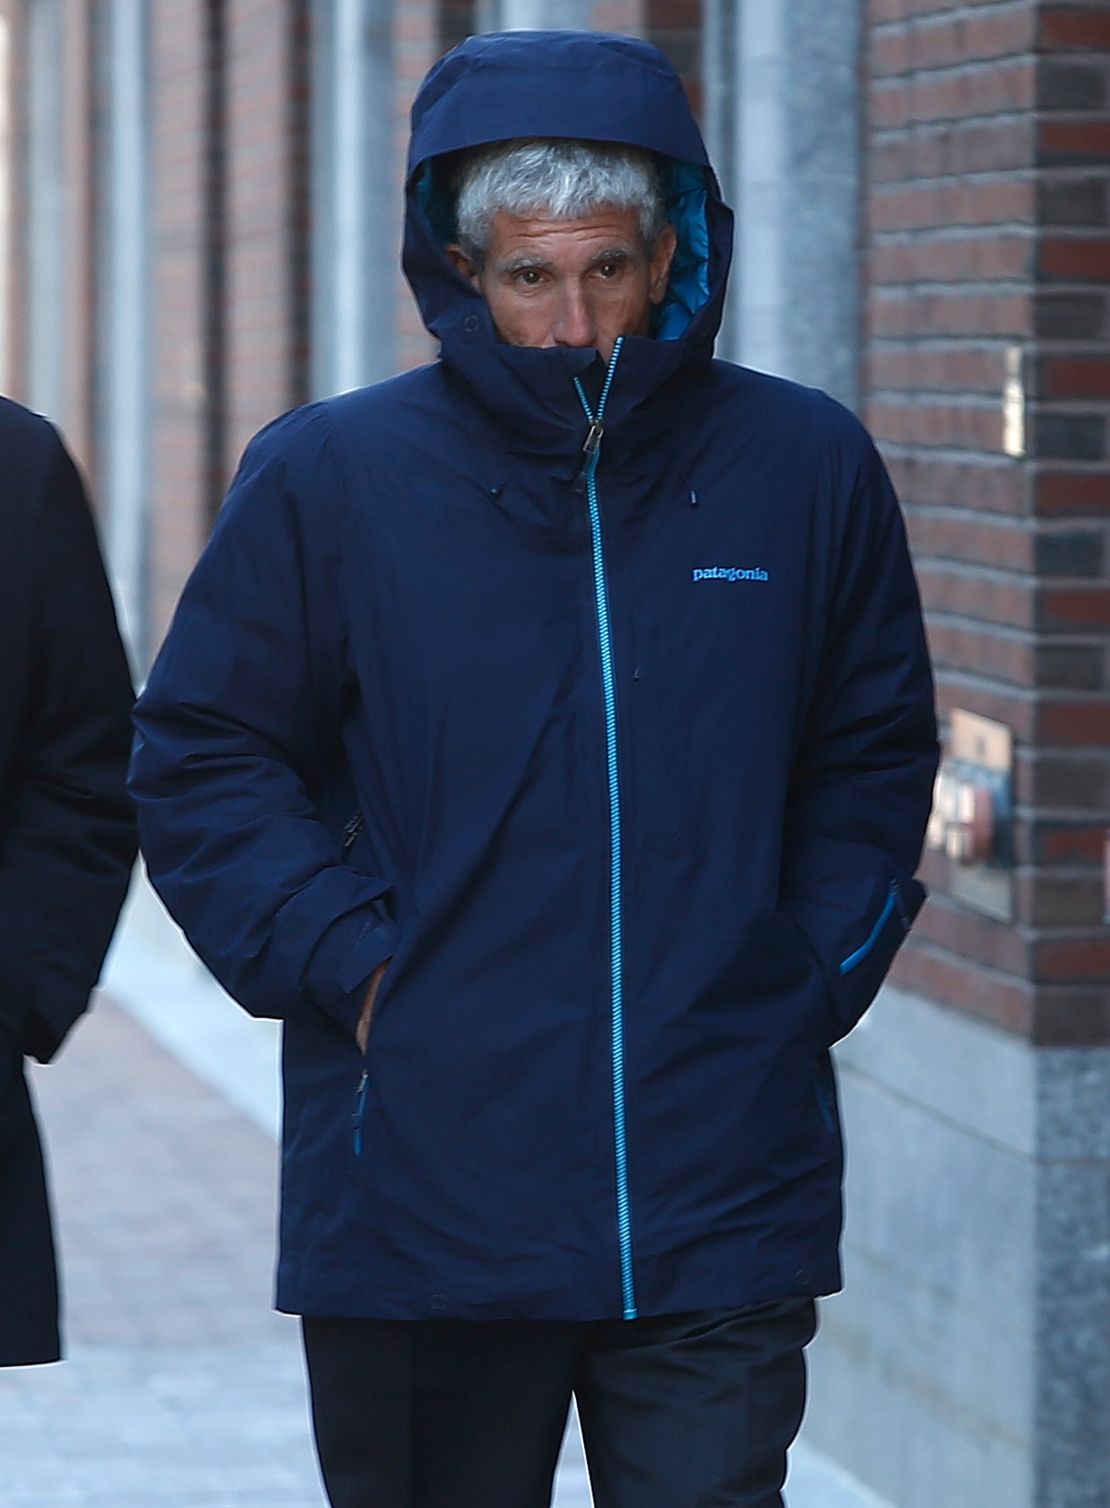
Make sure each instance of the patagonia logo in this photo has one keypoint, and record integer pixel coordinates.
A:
(731, 573)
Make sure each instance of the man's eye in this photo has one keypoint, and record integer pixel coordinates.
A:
(609, 269)
(529, 276)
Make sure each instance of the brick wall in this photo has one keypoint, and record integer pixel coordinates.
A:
(988, 172)
(78, 147)
(264, 289)
(422, 31)
(186, 463)
(674, 26)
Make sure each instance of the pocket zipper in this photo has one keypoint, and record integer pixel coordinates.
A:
(893, 899)
(357, 1112)
(351, 831)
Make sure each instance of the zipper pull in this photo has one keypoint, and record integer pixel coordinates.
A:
(357, 1112)
(351, 831)
(590, 448)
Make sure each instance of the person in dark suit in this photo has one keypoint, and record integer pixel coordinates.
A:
(67, 839)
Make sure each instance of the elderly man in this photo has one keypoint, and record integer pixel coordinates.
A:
(546, 737)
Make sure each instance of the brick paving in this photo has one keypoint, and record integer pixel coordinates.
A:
(182, 1386)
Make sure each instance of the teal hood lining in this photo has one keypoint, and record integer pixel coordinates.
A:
(685, 197)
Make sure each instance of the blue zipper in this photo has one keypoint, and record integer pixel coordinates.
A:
(592, 449)
(359, 1111)
(861, 952)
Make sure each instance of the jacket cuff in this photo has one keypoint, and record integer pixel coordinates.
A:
(343, 961)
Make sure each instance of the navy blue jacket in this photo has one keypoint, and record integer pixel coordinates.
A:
(624, 762)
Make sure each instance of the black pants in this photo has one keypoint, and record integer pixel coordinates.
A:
(682, 1411)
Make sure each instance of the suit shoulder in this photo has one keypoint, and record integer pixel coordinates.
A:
(39, 475)
(29, 443)
(21, 426)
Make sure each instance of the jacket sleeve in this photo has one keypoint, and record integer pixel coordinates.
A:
(68, 838)
(241, 713)
(862, 781)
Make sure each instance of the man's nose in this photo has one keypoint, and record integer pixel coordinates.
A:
(575, 325)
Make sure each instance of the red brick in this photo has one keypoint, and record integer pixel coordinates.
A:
(963, 985)
(929, 422)
(1075, 377)
(965, 646)
(952, 257)
(1085, 259)
(990, 201)
(983, 484)
(1002, 32)
(1062, 608)
(1010, 705)
(1071, 1016)
(664, 15)
(991, 598)
(1058, 492)
(1076, 722)
(1080, 141)
(918, 368)
(1057, 899)
(962, 147)
(958, 535)
(976, 311)
(1079, 28)
(1063, 842)
(998, 945)
(953, 94)
(1072, 779)
(1072, 958)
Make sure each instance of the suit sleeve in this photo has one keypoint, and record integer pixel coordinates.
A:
(68, 838)
(241, 713)
(862, 782)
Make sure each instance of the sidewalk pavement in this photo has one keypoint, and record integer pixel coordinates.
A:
(182, 1388)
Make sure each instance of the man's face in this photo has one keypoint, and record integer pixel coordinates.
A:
(570, 282)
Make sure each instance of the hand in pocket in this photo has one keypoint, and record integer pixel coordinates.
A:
(362, 1031)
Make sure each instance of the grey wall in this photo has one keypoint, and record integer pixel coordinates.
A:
(967, 1363)
(782, 121)
(533, 15)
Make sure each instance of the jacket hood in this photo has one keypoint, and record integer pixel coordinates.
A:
(580, 85)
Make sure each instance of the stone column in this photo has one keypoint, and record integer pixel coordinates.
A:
(969, 1360)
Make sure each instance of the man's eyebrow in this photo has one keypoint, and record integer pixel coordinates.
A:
(522, 259)
(613, 254)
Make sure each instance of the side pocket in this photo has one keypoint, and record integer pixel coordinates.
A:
(861, 971)
(859, 955)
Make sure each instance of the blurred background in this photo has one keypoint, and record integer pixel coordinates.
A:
(199, 228)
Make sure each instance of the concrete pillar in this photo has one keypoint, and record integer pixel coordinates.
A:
(782, 116)
(356, 211)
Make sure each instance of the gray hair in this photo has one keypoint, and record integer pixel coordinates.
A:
(566, 180)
